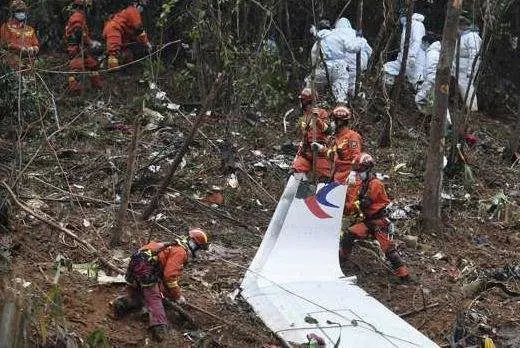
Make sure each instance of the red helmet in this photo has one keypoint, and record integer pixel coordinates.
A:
(200, 238)
(18, 6)
(341, 113)
(363, 162)
(307, 96)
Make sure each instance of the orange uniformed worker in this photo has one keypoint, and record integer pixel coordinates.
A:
(315, 129)
(18, 38)
(153, 273)
(123, 28)
(79, 46)
(347, 144)
(366, 204)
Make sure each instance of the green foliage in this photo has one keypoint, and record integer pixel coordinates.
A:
(10, 87)
(261, 81)
(97, 339)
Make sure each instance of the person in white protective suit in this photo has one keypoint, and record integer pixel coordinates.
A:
(355, 43)
(415, 62)
(469, 47)
(424, 96)
(333, 50)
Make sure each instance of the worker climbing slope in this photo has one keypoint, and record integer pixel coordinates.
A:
(18, 38)
(469, 47)
(365, 207)
(414, 69)
(315, 129)
(424, 96)
(328, 60)
(354, 43)
(347, 145)
(153, 273)
(80, 46)
(123, 28)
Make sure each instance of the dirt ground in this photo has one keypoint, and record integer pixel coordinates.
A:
(87, 158)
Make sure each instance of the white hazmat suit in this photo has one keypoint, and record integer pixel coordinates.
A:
(333, 49)
(415, 62)
(424, 94)
(470, 43)
(354, 44)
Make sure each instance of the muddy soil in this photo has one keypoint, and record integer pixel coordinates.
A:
(93, 168)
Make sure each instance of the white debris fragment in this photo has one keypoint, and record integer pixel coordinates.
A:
(160, 95)
(232, 181)
(154, 169)
(172, 106)
(258, 153)
(86, 223)
(78, 186)
(439, 256)
(157, 217)
(103, 279)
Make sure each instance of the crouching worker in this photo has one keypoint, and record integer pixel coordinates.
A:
(366, 204)
(314, 129)
(153, 274)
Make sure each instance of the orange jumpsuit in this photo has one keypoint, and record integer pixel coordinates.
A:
(153, 271)
(303, 161)
(17, 37)
(347, 147)
(121, 29)
(77, 37)
(366, 201)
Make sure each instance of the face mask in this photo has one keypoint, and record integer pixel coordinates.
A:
(403, 21)
(20, 16)
(193, 247)
(424, 46)
(363, 176)
(140, 8)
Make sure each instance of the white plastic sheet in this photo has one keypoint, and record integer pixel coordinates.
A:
(295, 275)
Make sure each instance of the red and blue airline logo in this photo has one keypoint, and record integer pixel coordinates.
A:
(315, 202)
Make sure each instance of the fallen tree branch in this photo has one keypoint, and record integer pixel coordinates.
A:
(415, 311)
(86, 245)
(234, 325)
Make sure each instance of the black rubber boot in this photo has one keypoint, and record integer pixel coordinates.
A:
(121, 307)
(159, 332)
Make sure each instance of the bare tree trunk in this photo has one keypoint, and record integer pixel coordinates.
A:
(386, 135)
(180, 153)
(514, 142)
(13, 325)
(358, 54)
(117, 229)
(385, 34)
(431, 207)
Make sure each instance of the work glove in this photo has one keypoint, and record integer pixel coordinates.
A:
(332, 127)
(317, 146)
(95, 44)
(149, 47)
(181, 300)
(351, 179)
(313, 30)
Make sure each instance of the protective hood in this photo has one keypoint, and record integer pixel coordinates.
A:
(435, 46)
(472, 29)
(323, 33)
(418, 17)
(343, 23)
